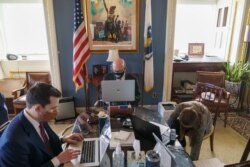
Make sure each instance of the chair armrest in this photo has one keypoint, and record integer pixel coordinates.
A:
(15, 92)
(227, 95)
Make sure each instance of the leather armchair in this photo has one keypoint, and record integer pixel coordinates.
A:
(19, 101)
(3, 110)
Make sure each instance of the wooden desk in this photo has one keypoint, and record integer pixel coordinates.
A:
(200, 64)
(195, 64)
(146, 113)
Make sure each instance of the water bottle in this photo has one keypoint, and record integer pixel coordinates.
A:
(172, 137)
(152, 159)
(118, 156)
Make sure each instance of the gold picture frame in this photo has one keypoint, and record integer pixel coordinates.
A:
(196, 49)
(112, 24)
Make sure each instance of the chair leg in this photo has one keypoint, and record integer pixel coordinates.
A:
(212, 142)
(246, 152)
(225, 121)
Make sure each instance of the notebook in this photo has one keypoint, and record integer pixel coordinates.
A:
(118, 90)
(92, 149)
(121, 137)
(144, 130)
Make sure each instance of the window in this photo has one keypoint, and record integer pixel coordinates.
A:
(195, 23)
(23, 29)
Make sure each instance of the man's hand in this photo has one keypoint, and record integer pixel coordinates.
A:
(68, 155)
(73, 138)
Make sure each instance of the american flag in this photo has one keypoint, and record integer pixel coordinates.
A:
(80, 47)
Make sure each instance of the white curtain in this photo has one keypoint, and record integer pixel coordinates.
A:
(2, 44)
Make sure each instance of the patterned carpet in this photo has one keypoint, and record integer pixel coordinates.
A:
(239, 123)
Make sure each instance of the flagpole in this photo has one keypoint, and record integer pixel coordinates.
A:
(86, 91)
(142, 85)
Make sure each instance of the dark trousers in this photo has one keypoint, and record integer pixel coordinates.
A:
(176, 125)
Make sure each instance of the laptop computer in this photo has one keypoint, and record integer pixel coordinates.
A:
(118, 90)
(173, 155)
(92, 149)
(144, 130)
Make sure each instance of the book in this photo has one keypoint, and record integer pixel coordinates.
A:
(125, 138)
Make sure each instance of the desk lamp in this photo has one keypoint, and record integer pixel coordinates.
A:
(113, 55)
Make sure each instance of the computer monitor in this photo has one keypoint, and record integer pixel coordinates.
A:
(118, 90)
(144, 130)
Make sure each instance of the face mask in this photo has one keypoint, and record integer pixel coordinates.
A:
(118, 75)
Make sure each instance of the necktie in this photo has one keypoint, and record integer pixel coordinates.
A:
(44, 136)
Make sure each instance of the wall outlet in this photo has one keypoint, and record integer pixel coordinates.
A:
(155, 95)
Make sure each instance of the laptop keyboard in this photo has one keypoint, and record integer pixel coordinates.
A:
(88, 152)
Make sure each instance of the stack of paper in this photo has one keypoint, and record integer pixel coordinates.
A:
(125, 138)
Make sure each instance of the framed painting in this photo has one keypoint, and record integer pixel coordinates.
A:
(112, 24)
(196, 49)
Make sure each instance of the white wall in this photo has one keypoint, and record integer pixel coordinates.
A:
(195, 23)
(21, 66)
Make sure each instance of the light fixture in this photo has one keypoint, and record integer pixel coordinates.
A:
(113, 55)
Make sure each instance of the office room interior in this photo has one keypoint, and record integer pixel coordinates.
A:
(41, 37)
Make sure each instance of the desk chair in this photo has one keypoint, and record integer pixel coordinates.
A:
(19, 101)
(99, 70)
(216, 99)
(3, 110)
(246, 152)
(215, 78)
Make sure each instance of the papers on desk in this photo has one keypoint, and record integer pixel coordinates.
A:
(125, 138)
(163, 128)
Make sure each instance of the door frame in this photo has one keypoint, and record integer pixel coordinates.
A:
(52, 43)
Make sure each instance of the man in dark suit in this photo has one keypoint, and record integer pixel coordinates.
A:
(119, 72)
(29, 141)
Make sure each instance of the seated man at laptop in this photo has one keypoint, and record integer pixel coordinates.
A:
(119, 73)
(29, 140)
(194, 120)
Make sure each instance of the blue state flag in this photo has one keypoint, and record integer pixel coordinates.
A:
(148, 49)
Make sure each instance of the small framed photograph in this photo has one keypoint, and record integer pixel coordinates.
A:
(196, 49)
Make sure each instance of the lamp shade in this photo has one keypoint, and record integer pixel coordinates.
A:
(247, 34)
(113, 55)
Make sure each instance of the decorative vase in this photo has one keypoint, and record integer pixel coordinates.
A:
(234, 89)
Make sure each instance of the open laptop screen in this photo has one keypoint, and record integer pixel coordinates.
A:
(118, 90)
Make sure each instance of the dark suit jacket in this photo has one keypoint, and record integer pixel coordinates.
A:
(20, 145)
(111, 76)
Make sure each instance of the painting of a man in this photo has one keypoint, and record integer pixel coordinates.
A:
(113, 22)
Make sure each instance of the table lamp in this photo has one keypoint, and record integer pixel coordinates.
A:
(113, 55)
